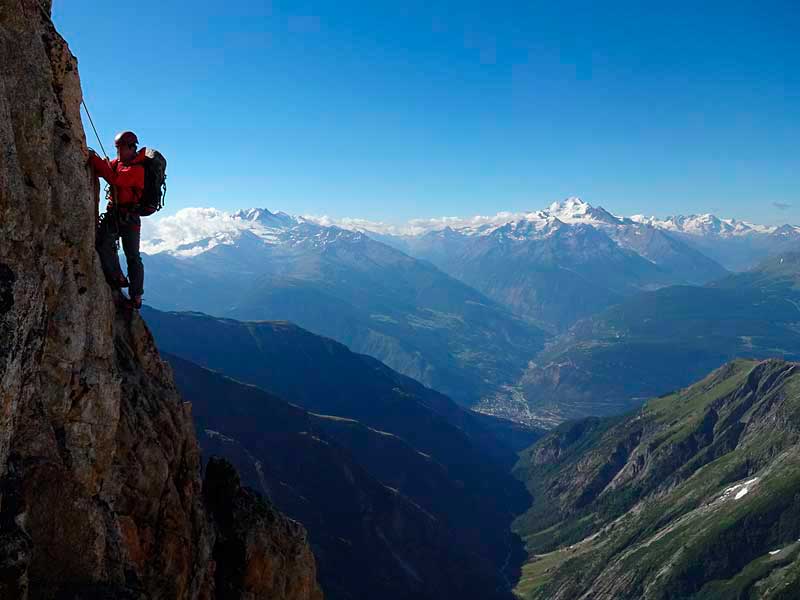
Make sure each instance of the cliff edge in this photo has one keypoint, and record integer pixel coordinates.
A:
(100, 487)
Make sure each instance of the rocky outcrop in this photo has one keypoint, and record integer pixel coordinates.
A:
(100, 490)
(268, 550)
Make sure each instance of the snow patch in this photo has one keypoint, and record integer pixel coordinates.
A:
(740, 490)
(216, 434)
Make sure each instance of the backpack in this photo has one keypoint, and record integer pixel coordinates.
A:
(155, 183)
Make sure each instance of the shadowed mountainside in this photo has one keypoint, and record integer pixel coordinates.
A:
(384, 519)
(477, 498)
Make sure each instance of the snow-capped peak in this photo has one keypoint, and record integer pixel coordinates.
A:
(786, 231)
(252, 214)
(194, 231)
(705, 225)
(575, 210)
(266, 218)
(572, 203)
(572, 210)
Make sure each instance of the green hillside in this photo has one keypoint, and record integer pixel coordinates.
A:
(695, 495)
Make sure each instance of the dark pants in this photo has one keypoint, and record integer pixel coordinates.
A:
(127, 227)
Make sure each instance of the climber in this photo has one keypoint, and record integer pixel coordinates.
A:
(126, 177)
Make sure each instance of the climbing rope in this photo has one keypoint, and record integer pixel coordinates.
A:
(83, 102)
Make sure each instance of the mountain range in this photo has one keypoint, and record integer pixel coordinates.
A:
(736, 244)
(464, 306)
(551, 267)
(346, 286)
(561, 264)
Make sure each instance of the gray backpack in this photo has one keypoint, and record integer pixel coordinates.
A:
(155, 183)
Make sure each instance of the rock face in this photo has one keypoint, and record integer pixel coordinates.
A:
(260, 554)
(100, 490)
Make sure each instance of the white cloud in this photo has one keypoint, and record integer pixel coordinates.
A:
(187, 226)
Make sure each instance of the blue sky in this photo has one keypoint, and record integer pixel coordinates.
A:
(393, 110)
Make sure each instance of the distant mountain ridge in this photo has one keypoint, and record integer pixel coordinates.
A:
(256, 265)
(570, 210)
(738, 245)
(709, 224)
(219, 225)
(655, 342)
(550, 267)
(735, 244)
(563, 263)
(184, 228)
(194, 230)
(206, 228)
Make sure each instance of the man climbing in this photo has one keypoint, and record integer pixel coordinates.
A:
(126, 175)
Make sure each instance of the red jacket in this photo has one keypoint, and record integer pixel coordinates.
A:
(126, 178)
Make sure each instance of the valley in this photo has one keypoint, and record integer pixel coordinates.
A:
(389, 477)
(659, 341)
